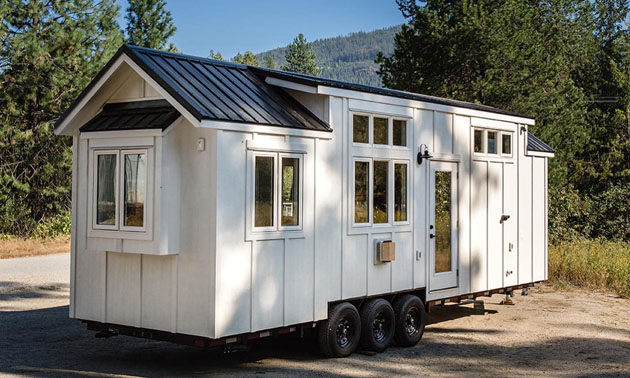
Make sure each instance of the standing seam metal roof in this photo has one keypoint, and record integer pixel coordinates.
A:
(536, 144)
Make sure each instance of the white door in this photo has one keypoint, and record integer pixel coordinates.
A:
(443, 216)
(509, 221)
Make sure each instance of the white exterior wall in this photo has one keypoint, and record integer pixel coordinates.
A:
(203, 273)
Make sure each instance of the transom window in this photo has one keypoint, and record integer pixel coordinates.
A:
(492, 142)
(120, 182)
(277, 191)
(374, 180)
(379, 130)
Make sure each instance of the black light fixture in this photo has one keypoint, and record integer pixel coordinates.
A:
(423, 155)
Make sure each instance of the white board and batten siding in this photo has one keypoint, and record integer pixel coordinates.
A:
(206, 272)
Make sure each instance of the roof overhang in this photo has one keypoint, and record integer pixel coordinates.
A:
(91, 100)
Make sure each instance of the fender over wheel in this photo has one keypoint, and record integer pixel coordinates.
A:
(378, 324)
(339, 335)
(410, 320)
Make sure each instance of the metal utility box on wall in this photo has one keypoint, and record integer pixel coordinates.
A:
(308, 193)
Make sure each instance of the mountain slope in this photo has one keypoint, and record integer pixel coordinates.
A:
(347, 58)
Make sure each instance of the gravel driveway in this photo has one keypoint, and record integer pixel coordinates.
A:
(571, 333)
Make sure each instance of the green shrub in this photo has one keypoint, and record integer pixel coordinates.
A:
(54, 227)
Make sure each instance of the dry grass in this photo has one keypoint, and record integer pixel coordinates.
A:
(594, 264)
(18, 247)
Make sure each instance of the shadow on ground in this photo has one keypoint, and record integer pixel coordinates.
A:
(45, 342)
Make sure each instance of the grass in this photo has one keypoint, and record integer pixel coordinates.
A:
(595, 264)
(11, 247)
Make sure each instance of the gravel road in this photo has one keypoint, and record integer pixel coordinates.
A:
(571, 333)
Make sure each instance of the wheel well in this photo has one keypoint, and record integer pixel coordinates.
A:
(390, 297)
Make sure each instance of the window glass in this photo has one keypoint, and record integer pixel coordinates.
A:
(290, 191)
(442, 221)
(381, 127)
(379, 206)
(360, 129)
(361, 191)
(492, 142)
(507, 144)
(263, 191)
(400, 132)
(479, 141)
(106, 190)
(400, 192)
(135, 188)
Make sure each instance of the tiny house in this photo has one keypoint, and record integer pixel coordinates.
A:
(213, 203)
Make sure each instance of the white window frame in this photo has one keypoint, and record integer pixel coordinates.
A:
(370, 188)
(393, 185)
(277, 227)
(390, 137)
(510, 134)
(94, 205)
(119, 231)
(496, 144)
(370, 133)
(300, 158)
(390, 196)
(390, 131)
(484, 141)
(121, 210)
(407, 139)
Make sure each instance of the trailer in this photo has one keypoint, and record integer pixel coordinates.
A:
(215, 203)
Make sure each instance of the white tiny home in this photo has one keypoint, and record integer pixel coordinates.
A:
(217, 202)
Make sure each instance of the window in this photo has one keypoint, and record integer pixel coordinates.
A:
(360, 129)
(263, 191)
(277, 191)
(120, 174)
(379, 130)
(400, 132)
(400, 192)
(506, 144)
(381, 126)
(290, 191)
(479, 141)
(492, 142)
(379, 205)
(361, 191)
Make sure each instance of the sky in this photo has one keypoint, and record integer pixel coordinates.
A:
(231, 26)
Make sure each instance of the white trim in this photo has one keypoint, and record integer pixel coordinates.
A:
(387, 110)
(274, 220)
(122, 226)
(300, 224)
(351, 94)
(511, 135)
(290, 85)
(264, 129)
(94, 183)
(407, 163)
(492, 124)
(539, 154)
(275, 146)
(353, 189)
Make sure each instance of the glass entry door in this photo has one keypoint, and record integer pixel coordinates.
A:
(443, 214)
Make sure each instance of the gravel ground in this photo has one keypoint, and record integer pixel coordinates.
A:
(572, 333)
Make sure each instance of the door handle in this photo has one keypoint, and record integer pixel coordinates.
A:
(504, 217)
(431, 236)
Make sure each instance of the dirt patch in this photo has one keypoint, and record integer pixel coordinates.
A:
(568, 333)
(18, 247)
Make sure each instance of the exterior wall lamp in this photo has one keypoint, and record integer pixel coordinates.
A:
(423, 155)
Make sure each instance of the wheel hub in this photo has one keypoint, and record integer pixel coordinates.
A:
(378, 327)
(411, 322)
(344, 333)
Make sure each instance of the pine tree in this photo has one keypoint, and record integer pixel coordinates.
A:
(270, 63)
(149, 24)
(247, 58)
(215, 56)
(301, 58)
(49, 51)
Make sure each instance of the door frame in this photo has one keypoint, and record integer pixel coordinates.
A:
(450, 279)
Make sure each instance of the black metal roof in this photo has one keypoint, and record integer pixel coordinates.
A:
(156, 114)
(535, 144)
(315, 81)
(216, 90)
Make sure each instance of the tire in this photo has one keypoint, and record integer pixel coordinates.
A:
(378, 324)
(339, 335)
(410, 320)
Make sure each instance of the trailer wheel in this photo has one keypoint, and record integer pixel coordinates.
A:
(339, 335)
(410, 320)
(378, 324)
